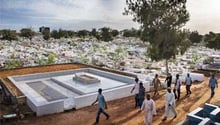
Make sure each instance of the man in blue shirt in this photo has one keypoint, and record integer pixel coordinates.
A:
(101, 106)
(212, 84)
(188, 82)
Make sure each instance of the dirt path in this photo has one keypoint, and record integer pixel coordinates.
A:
(122, 111)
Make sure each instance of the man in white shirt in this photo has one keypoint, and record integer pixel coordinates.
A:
(150, 109)
(136, 88)
(169, 105)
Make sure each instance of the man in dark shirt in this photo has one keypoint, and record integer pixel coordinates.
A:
(169, 80)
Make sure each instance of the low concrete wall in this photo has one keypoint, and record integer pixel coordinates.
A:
(111, 94)
(49, 108)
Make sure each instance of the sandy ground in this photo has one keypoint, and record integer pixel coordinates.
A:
(122, 111)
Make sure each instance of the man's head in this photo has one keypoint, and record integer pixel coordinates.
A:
(213, 75)
(156, 75)
(187, 74)
(169, 89)
(148, 96)
(136, 79)
(100, 90)
(177, 76)
(141, 84)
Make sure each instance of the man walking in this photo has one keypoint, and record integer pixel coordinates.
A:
(188, 82)
(169, 80)
(156, 83)
(141, 95)
(169, 105)
(136, 88)
(101, 106)
(212, 84)
(149, 108)
(177, 87)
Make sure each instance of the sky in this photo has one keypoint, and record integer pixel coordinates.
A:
(88, 14)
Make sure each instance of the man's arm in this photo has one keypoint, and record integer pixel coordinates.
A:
(95, 101)
(132, 89)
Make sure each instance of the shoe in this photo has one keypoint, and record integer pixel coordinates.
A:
(164, 119)
(107, 117)
(95, 123)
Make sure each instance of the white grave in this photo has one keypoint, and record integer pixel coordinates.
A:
(55, 92)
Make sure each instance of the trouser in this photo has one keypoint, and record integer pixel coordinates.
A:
(168, 84)
(212, 91)
(136, 100)
(168, 109)
(100, 110)
(177, 95)
(188, 91)
(140, 102)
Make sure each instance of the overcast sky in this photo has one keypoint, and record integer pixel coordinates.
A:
(88, 14)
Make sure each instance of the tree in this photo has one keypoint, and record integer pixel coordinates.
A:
(131, 33)
(51, 58)
(93, 32)
(209, 36)
(161, 23)
(214, 42)
(27, 32)
(13, 64)
(119, 54)
(8, 35)
(106, 34)
(115, 33)
(195, 37)
(41, 61)
(46, 34)
(55, 34)
(83, 33)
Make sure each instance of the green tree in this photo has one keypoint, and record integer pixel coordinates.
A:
(93, 32)
(161, 23)
(41, 61)
(195, 37)
(131, 32)
(51, 58)
(8, 35)
(119, 54)
(27, 32)
(214, 42)
(184, 41)
(55, 34)
(209, 36)
(13, 64)
(115, 33)
(82, 33)
(106, 34)
(46, 34)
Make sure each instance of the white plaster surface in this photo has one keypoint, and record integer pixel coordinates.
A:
(74, 95)
(105, 83)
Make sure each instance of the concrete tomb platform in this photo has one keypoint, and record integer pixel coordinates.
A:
(54, 92)
(209, 114)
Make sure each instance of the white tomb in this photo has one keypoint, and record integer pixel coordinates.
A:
(55, 92)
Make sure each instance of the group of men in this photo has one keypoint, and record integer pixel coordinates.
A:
(148, 105)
